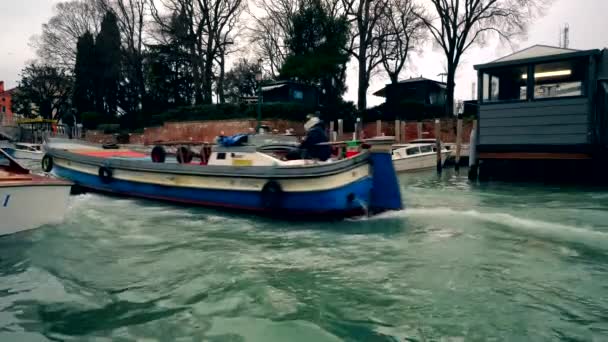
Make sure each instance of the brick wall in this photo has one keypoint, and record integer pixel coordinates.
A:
(207, 131)
(410, 130)
(199, 131)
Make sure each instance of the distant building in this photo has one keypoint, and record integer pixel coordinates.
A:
(6, 113)
(290, 91)
(414, 98)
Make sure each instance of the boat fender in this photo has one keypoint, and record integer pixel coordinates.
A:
(47, 163)
(272, 195)
(205, 155)
(105, 174)
(184, 155)
(158, 154)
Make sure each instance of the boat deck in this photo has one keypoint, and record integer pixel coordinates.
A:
(15, 179)
(110, 153)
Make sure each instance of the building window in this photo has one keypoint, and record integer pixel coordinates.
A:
(505, 84)
(559, 79)
(298, 94)
(3, 99)
(3, 109)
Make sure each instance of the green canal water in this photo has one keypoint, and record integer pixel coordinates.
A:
(463, 262)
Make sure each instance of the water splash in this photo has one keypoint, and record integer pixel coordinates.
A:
(537, 228)
(363, 206)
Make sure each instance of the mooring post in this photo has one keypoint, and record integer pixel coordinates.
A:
(331, 130)
(473, 153)
(438, 144)
(419, 129)
(357, 134)
(340, 128)
(378, 128)
(458, 141)
(398, 131)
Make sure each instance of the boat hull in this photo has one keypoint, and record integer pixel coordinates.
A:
(343, 194)
(21, 154)
(419, 162)
(24, 207)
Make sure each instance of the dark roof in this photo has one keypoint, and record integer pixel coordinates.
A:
(382, 92)
(535, 54)
(9, 91)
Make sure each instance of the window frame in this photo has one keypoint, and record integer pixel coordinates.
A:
(531, 83)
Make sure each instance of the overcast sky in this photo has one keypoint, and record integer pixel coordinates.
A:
(22, 19)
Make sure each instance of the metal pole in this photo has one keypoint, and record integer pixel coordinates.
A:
(259, 108)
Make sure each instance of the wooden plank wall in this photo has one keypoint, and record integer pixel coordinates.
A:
(546, 122)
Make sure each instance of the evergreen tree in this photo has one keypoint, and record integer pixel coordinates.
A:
(83, 97)
(317, 51)
(107, 51)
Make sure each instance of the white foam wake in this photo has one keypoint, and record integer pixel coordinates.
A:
(538, 228)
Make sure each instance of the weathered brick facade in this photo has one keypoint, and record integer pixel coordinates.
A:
(207, 131)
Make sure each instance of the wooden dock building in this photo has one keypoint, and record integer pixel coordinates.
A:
(542, 110)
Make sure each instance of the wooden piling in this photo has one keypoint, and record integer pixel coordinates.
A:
(357, 133)
(340, 128)
(378, 128)
(419, 129)
(331, 131)
(458, 142)
(398, 131)
(438, 145)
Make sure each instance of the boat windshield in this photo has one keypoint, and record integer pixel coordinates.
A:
(10, 164)
(412, 151)
(426, 148)
(3, 160)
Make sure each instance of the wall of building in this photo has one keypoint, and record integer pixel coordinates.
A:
(6, 113)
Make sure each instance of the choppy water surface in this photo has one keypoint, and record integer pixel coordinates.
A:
(496, 262)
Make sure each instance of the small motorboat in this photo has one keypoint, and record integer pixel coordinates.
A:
(27, 200)
(412, 157)
(464, 148)
(239, 174)
(25, 151)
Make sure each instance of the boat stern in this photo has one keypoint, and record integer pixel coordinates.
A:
(385, 192)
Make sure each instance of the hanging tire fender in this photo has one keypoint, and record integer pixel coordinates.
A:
(158, 154)
(272, 195)
(105, 174)
(47, 163)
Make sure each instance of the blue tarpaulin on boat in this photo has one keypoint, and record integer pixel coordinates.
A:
(234, 140)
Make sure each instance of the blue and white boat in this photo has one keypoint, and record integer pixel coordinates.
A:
(239, 176)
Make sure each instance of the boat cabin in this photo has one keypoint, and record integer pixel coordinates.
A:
(543, 102)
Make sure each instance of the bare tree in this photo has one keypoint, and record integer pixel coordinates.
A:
(270, 31)
(221, 17)
(201, 23)
(365, 16)
(57, 43)
(459, 24)
(225, 42)
(401, 31)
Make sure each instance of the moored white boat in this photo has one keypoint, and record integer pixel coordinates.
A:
(411, 157)
(28, 201)
(240, 176)
(26, 151)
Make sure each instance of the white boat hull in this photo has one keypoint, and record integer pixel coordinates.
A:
(32, 155)
(419, 162)
(24, 207)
